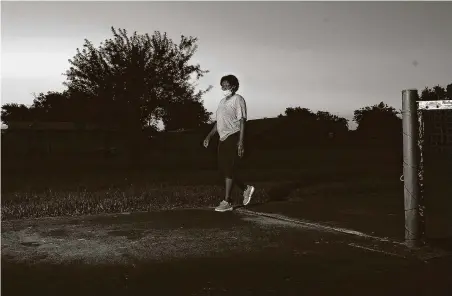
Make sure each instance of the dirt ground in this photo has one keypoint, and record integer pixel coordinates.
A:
(201, 252)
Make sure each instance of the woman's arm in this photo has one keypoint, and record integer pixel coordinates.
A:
(241, 114)
(242, 130)
(213, 131)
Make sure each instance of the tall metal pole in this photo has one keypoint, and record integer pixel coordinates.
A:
(410, 167)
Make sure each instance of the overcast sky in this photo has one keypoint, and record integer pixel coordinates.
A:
(332, 56)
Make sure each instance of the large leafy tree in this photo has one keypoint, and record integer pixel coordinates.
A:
(301, 126)
(134, 79)
(378, 121)
(373, 114)
(321, 118)
(297, 124)
(299, 113)
(331, 123)
(128, 81)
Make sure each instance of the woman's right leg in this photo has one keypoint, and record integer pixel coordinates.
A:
(223, 165)
(227, 161)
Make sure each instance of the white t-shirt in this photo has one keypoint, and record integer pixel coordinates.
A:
(229, 113)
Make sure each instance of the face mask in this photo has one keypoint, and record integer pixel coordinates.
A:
(227, 93)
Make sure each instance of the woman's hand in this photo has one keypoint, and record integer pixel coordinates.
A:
(206, 142)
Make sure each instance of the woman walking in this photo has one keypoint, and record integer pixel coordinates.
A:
(230, 125)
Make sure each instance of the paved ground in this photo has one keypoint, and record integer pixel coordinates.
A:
(200, 252)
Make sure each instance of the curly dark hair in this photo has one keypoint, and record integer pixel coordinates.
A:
(232, 80)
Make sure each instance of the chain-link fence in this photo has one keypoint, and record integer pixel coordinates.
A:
(435, 142)
(427, 128)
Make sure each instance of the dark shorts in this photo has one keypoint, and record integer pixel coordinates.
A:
(228, 157)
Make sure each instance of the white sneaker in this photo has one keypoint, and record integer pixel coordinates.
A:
(224, 207)
(248, 194)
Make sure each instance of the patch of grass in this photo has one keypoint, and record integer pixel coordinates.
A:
(97, 194)
(151, 198)
(276, 174)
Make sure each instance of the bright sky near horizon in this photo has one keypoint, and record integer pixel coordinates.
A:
(332, 56)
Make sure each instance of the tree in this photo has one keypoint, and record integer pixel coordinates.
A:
(15, 112)
(314, 119)
(330, 123)
(378, 121)
(53, 106)
(301, 126)
(134, 79)
(449, 91)
(375, 112)
(300, 113)
(436, 93)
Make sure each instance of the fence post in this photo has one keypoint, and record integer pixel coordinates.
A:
(410, 167)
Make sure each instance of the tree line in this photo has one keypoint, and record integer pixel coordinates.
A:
(133, 81)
